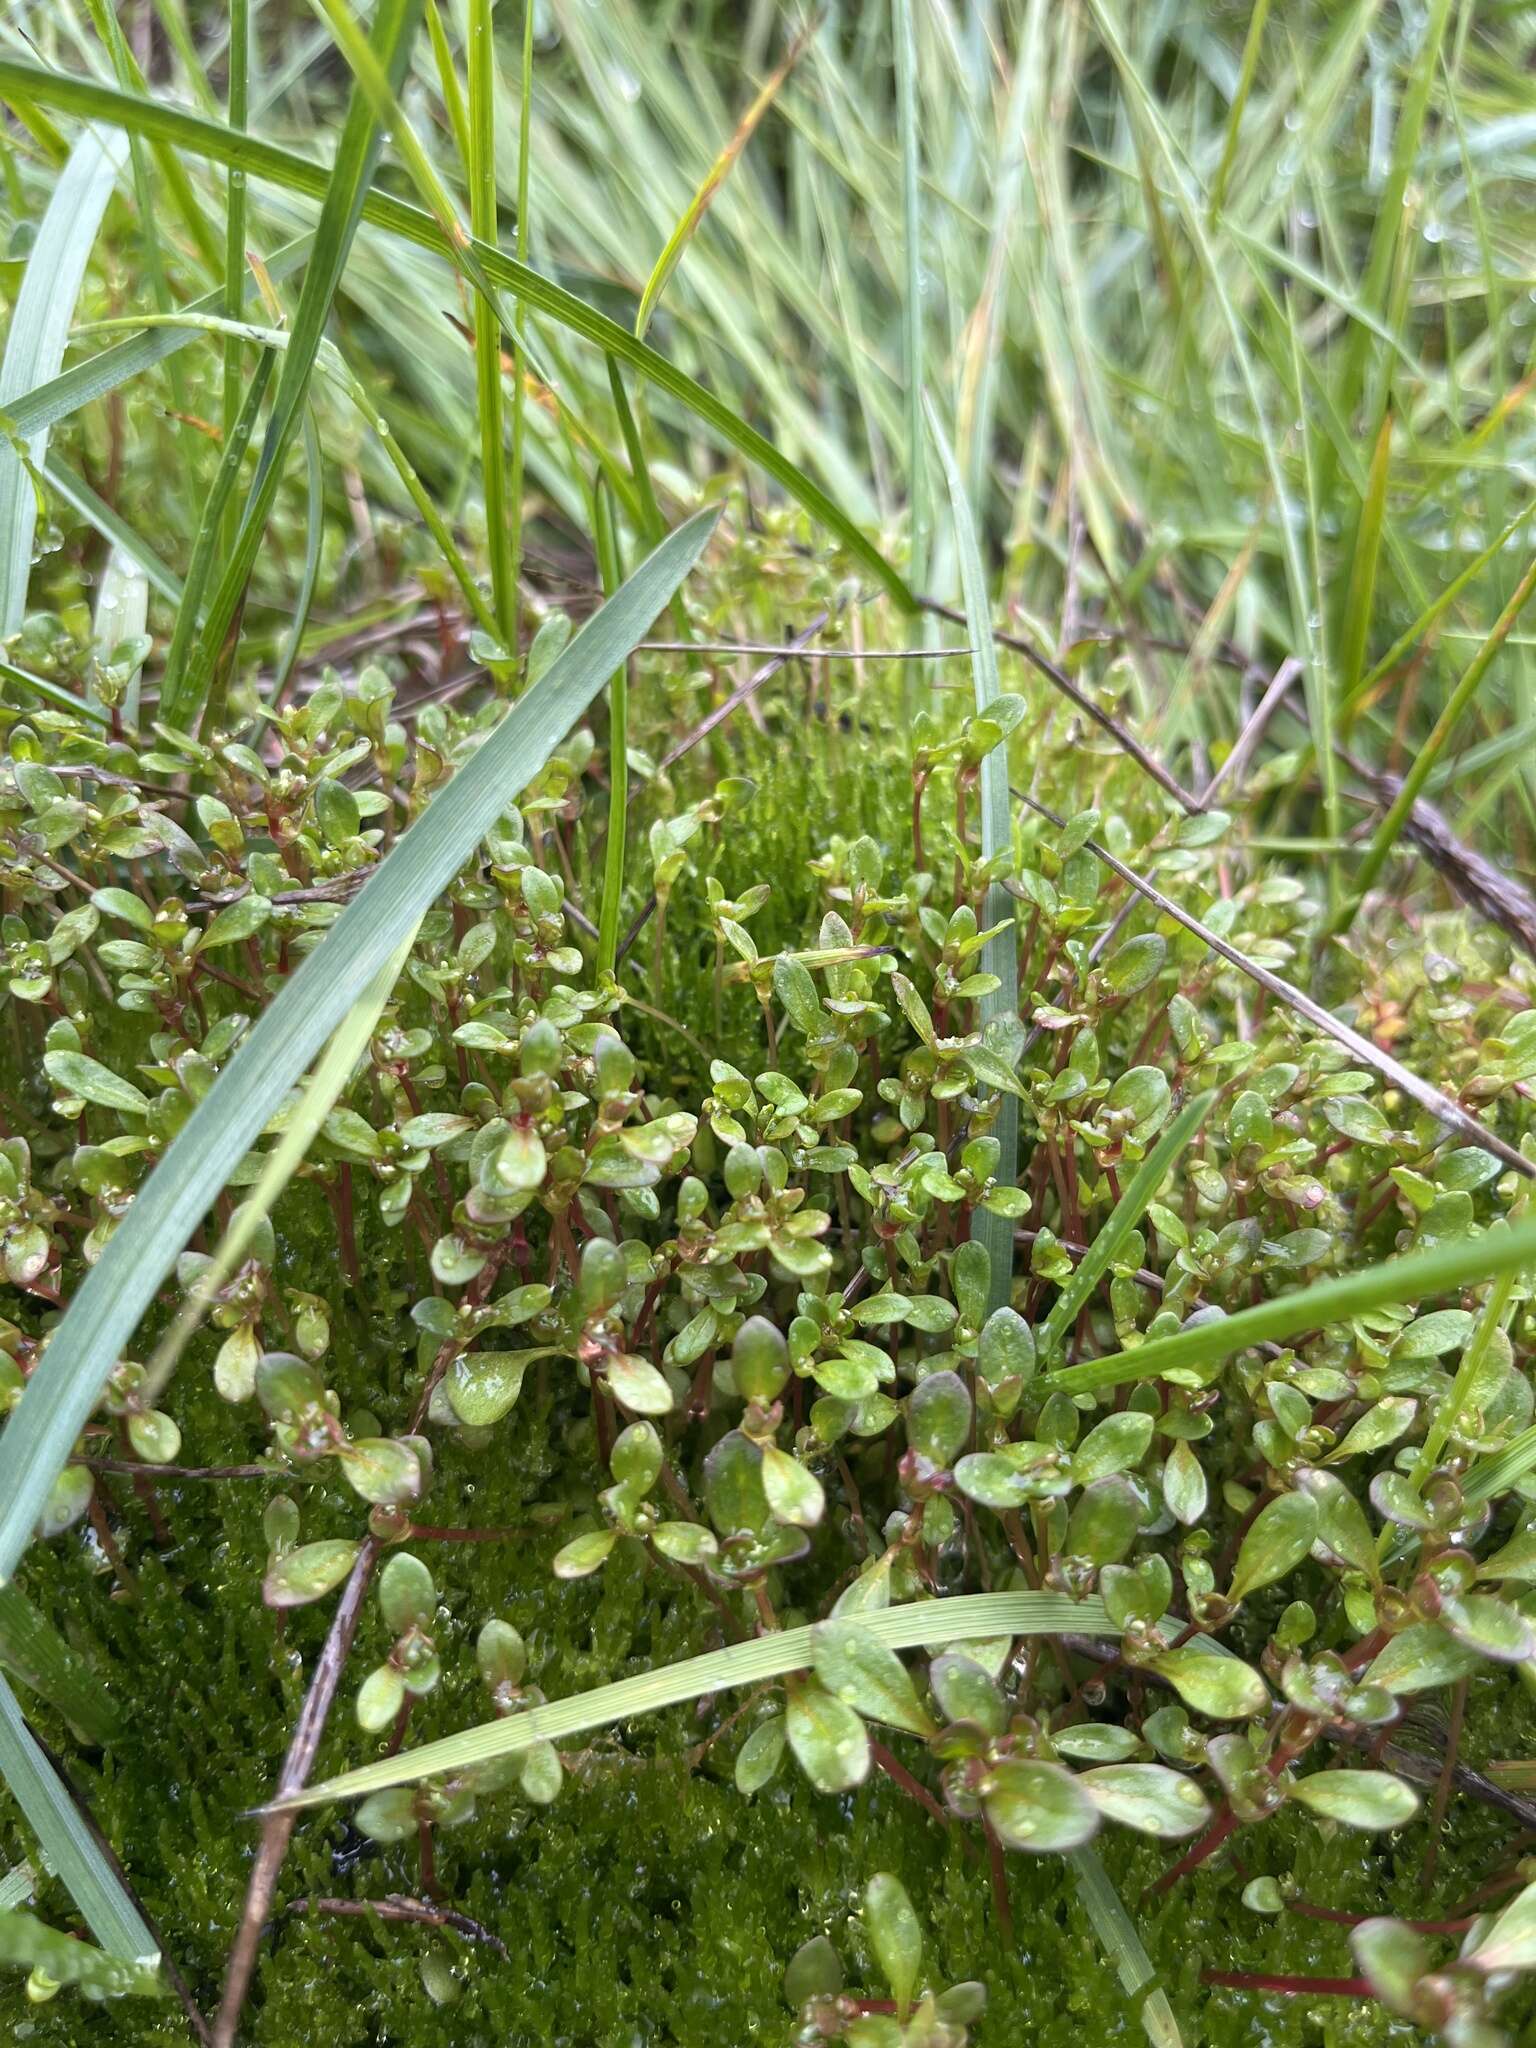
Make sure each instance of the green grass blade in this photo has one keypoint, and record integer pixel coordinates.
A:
(101, 1318)
(618, 749)
(1360, 597)
(1506, 1248)
(34, 411)
(1252, 44)
(31, 84)
(1000, 955)
(35, 342)
(32, 1650)
(1387, 831)
(912, 307)
(74, 490)
(173, 702)
(1123, 1219)
(481, 172)
(314, 540)
(1122, 1944)
(969, 1618)
(90, 1880)
(357, 153)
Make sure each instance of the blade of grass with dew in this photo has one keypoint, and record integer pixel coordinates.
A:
(33, 1651)
(24, 84)
(316, 1101)
(1123, 1219)
(715, 177)
(394, 26)
(1000, 955)
(1413, 1278)
(480, 171)
(655, 525)
(1418, 774)
(210, 531)
(52, 693)
(105, 1311)
(67, 1843)
(38, 332)
(1123, 1945)
(608, 569)
(969, 1617)
(17, 1886)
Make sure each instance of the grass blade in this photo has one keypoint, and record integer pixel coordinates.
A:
(1506, 1248)
(357, 153)
(101, 1318)
(1413, 782)
(912, 307)
(39, 330)
(32, 1650)
(1360, 598)
(1122, 1944)
(607, 541)
(1123, 1219)
(968, 1618)
(1000, 955)
(481, 170)
(716, 176)
(68, 1844)
(30, 84)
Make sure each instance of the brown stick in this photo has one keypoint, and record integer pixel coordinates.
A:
(739, 697)
(277, 1827)
(396, 1907)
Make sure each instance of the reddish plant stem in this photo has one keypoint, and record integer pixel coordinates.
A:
(1294, 1987)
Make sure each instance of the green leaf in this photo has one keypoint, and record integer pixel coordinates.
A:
(586, 1554)
(758, 1759)
(76, 1073)
(991, 1481)
(407, 1596)
(1510, 1943)
(101, 1319)
(1149, 1798)
(866, 1676)
(1393, 1959)
(1222, 1687)
(1116, 1444)
(383, 1470)
(828, 1739)
(38, 333)
(636, 1384)
(939, 1417)
(1184, 1485)
(483, 1386)
(895, 1936)
(1278, 1538)
(1361, 1799)
(814, 1972)
(1037, 1806)
(1419, 1659)
(794, 1494)
(308, 1573)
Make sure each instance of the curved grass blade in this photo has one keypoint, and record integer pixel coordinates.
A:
(1000, 955)
(101, 1318)
(1123, 1219)
(716, 176)
(68, 1844)
(481, 171)
(30, 84)
(39, 330)
(95, 511)
(1506, 1248)
(970, 1617)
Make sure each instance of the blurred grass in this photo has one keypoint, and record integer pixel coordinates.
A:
(1228, 313)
